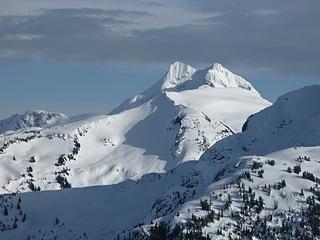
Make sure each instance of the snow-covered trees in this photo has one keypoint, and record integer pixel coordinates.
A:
(205, 205)
(297, 169)
(63, 182)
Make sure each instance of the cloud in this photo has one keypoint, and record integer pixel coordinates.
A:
(52, 34)
(93, 12)
(22, 37)
(201, 32)
(263, 12)
(213, 18)
(152, 3)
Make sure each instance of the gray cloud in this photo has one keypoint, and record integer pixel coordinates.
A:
(282, 36)
(263, 12)
(93, 12)
(58, 34)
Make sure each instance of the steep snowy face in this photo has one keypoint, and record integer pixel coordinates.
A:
(219, 77)
(177, 74)
(31, 119)
(215, 76)
(181, 77)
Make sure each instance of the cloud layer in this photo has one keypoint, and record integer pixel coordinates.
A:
(281, 36)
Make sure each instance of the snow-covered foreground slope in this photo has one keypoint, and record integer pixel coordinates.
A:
(238, 189)
(174, 121)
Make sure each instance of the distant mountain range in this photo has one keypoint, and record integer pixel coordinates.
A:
(31, 119)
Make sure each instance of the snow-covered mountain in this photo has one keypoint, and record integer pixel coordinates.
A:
(181, 77)
(31, 119)
(261, 183)
(174, 121)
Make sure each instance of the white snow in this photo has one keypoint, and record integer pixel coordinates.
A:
(229, 105)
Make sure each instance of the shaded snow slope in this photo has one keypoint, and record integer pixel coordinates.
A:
(286, 120)
(292, 121)
(231, 175)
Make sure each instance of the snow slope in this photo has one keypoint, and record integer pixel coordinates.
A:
(230, 105)
(174, 121)
(293, 121)
(229, 175)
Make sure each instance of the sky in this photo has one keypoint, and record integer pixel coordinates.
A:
(81, 56)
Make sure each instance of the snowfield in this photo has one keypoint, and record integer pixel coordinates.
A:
(182, 160)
